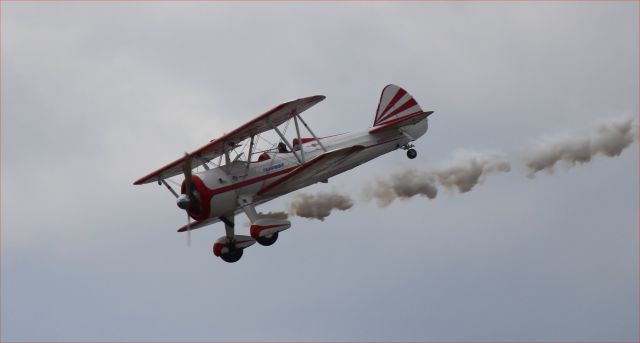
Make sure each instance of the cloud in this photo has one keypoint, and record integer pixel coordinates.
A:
(91, 103)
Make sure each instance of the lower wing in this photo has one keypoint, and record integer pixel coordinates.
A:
(302, 174)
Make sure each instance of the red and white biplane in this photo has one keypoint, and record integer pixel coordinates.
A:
(238, 184)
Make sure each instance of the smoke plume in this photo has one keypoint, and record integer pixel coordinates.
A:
(404, 185)
(466, 171)
(320, 205)
(471, 168)
(607, 138)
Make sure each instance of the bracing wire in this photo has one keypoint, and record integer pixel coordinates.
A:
(269, 143)
(286, 127)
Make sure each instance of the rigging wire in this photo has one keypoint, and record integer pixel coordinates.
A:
(271, 145)
(286, 126)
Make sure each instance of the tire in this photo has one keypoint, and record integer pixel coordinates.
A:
(267, 241)
(232, 256)
(412, 153)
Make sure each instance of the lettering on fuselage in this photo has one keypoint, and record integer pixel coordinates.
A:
(273, 167)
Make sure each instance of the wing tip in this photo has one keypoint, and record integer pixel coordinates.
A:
(143, 180)
(316, 98)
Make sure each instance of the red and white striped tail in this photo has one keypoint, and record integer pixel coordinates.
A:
(395, 103)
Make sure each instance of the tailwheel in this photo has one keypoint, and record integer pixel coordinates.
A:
(412, 153)
(232, 256)
(268, 240)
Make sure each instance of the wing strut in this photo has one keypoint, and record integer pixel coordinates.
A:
(295, 120)
(203, 162)
(227, 158)
(286, 142)
(168, 187)
(229, 226)
(246, 170)
(311, 132)
(264, 122)
(246, 202)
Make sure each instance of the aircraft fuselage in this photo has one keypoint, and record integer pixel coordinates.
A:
(219, 188)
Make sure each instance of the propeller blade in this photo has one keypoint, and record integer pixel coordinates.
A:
(188, 230)
(186, 170)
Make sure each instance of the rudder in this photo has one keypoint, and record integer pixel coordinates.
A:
(395, 103)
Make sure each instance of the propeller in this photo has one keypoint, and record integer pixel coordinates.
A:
(188, 230)
(187, 200)
(186, 170)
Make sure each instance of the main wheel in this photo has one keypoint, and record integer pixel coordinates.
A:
(267, 241)
(232, 256)
(412, 153)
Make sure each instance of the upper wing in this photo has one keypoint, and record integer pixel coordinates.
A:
(402, 121)
(314, 167)
(215, 148)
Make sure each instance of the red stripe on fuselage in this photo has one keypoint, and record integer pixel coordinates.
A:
(298, 169)
(206, 193)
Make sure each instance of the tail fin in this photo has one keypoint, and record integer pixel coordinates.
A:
(395, 103)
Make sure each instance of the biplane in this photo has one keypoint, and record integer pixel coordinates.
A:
(246, 176)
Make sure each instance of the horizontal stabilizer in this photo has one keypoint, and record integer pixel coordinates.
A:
(400, 122)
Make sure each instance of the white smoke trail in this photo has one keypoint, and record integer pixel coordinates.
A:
(471, 168)
(607, 138)
(405, 184)
(466, 171)
(319, 206)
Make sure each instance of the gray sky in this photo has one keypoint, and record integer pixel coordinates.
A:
(97, 94)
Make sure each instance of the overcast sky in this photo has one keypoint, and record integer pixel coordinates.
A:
(98, 94)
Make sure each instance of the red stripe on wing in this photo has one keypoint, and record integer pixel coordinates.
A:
(292, 173)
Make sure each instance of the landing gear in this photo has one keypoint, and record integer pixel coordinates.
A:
(232, 256)
(267, 241)
(412, 153)
(230, 246)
